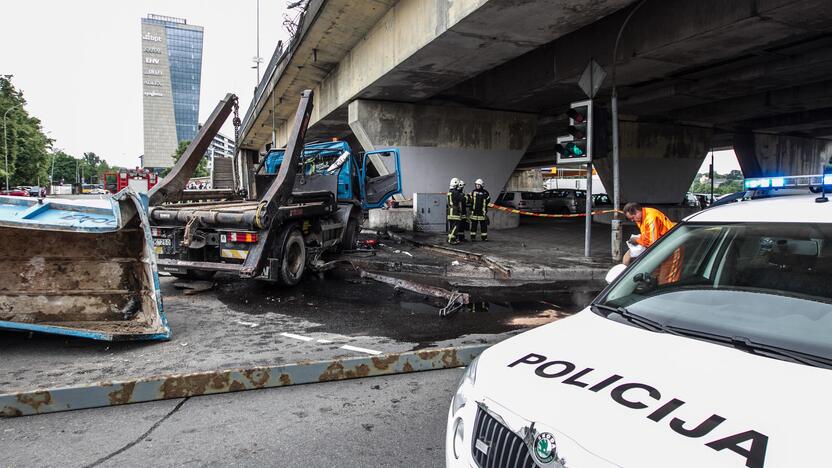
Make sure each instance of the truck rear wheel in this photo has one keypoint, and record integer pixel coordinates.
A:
(292, 257)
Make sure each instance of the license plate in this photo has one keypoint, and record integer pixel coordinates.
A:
(164, 241)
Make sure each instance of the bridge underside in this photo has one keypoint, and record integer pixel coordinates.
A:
(691, 76)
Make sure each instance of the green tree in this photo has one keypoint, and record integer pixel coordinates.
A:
(65, 168)
(735, 175)
(28, 158)
(730, 186)
(201, 168)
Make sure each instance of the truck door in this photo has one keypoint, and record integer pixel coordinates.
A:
(380, 177)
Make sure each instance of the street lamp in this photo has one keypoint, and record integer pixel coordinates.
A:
(6, 141)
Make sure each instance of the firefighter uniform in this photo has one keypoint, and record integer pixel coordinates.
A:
(480, 199)
(456, 213)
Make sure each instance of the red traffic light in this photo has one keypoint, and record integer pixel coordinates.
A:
(576, 116)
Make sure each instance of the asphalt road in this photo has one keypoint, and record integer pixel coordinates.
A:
(382, 421)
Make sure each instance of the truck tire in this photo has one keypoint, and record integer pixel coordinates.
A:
(350, 239)
(292, 255)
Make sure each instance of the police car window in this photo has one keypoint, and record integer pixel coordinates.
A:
(766, 281)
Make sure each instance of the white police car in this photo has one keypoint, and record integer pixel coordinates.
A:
(713, 349)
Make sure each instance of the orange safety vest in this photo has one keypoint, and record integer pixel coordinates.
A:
(654, 224)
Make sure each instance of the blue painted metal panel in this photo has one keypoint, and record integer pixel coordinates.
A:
(161, 387)
(95, 239)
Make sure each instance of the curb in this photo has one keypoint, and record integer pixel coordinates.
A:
(163, 387)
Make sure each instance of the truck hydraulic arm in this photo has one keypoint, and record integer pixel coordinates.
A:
(171, 187)
(281, 188)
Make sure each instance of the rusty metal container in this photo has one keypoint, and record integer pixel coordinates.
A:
(81, 268)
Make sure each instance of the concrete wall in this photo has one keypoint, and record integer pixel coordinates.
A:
(775, 155)
(658, 162)
(437, 143)
(529, 181)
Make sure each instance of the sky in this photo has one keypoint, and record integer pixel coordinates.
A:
(724, 162)
(78, 64)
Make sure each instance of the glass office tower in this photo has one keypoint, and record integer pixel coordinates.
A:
(171, 74)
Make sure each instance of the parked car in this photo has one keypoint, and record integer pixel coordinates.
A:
(16, 192)
(601, 200)
(691, 201)
(524, 201)
(567, 201)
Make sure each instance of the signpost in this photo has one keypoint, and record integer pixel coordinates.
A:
(576, 148)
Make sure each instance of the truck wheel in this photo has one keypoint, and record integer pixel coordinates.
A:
(292, 257)
(350, 239)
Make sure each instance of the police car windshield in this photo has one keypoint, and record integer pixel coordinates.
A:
(769, 283)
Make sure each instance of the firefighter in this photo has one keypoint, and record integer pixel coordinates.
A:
(456, 210)
(465, 224)
(480, 199)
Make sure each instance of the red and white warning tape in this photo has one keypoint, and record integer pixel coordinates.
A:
(543, 215)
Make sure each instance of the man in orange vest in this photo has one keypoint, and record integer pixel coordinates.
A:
(652, 224)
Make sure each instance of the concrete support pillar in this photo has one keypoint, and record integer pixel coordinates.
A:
(658, 162)
(778, 155)
(437, 143)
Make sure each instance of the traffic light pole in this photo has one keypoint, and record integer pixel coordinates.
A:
(588, 223)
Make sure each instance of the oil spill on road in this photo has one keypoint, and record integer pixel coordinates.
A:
(356, 307)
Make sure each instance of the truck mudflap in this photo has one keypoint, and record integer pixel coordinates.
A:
(81, 268)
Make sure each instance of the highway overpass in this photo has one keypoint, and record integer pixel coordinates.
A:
(477, 88)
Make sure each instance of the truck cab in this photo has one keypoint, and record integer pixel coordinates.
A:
(333, 167)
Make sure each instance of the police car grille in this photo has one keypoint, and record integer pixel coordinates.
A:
(505, 448)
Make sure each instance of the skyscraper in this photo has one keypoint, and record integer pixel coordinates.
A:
(171, 74)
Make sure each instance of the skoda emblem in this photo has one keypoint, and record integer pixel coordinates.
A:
(545, 449)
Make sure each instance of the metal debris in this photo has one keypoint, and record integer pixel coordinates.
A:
(163, 387)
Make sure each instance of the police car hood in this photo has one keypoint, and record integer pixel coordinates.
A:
(616, 395)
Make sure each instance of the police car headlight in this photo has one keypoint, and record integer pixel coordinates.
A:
(469, 377)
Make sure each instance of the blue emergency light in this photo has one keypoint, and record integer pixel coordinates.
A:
(764, 182)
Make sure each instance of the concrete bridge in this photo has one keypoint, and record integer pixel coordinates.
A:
(477, 88)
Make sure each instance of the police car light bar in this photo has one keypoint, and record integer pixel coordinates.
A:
(755, 183)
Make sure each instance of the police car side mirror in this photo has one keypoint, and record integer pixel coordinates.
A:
(615, 272)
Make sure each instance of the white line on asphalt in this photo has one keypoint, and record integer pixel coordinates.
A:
(360, 350)
(324, 341)
(297, 337)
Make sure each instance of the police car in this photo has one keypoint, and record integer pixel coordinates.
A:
(713, 349)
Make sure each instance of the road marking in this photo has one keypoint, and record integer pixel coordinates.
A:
(360, 350)
(297, 337)
(324, 341)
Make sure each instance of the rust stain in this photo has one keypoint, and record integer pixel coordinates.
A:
(35, 399)
(257, 377)
(384, 363)
(427, 355)
(220, 381)
(236, 386)
(123, 395)
(179, 386)
(407, 367)
(285, 379)
(450, 359)
(336, 371)
(10, 412)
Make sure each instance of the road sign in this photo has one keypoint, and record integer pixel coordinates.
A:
(591, 78)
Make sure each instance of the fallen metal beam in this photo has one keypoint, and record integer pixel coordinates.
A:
(418, 288)
(490, 262)
(164, 387)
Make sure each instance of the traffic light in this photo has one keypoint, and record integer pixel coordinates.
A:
(577, 146)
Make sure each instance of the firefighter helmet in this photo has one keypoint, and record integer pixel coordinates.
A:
(454, 183)
(478, 182)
